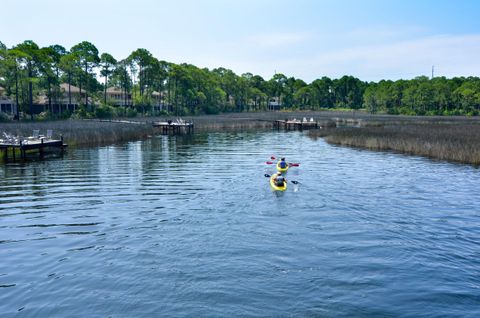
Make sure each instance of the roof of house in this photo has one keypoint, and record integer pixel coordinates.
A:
(73, 89)
(6, 100)
(114, 90)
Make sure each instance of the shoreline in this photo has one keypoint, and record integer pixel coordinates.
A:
(451, 142)
(444, 138)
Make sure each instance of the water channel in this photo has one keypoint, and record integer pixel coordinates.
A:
(188, 226)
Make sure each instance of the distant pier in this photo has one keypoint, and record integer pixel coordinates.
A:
(177, 127)
(295, 124)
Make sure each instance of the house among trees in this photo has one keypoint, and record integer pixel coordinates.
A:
(7, 105)
(158, 101)
(31, 76)
(67, 99)
(274, 103)
(70, 98)
(118, 97)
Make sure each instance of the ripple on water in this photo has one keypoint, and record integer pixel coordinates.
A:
(176, 226)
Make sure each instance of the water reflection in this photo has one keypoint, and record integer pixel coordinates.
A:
(188, 226)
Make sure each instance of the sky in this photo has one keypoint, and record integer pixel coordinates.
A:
(306, 39)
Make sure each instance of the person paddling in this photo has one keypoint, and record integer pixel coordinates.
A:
(279, 180)
(282, 164)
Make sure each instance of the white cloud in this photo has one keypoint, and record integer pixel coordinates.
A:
(293, 54)
(452, 56)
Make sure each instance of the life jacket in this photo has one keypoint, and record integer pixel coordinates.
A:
(283, 164)
(279, 181)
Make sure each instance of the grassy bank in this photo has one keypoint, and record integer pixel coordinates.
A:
(456, 141)
(446, 138)
(82, 132)
(260, 120)
(96, 132)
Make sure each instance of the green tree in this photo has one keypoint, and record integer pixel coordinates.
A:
(227, 80)
(121, 78)
(348, 92)
(468, 96)
(107, 65)
(30, 57)
(56, 52)
(142, 65)
(11, 72)
(87, 56)
(322, 93)
(258, 88)
(276, 86)
(69, 66)
(303, 96)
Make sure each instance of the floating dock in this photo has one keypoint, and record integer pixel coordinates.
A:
(174, 127)
(295, 124)
(40, 145)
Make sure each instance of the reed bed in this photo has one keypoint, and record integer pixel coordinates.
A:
(252, 121)
(82, 132)
(446, 138)
(453, 141)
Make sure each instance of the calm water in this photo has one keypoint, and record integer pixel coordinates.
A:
(188, 226)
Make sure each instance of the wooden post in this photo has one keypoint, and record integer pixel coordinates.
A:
(62, 148)
(41, 148)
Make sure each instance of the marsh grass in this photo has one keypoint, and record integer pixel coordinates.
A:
(446, 138)
(82, 132)
(101, 132)
(252, 121)
(451, 141)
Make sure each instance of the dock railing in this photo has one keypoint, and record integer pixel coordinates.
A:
(12, 146)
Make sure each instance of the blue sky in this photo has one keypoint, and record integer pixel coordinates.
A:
(307, 39)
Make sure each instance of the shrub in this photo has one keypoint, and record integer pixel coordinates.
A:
(472, 112)
(80, 113)
(406, 111)
(131, 112)
(104, 111)
(211, 109)
(453, 112)
(162, 113)
(43, 116)
(433, 113)
(4, 117)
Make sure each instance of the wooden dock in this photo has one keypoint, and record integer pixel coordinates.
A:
(174, 127)
(41, 145)
(295, 124)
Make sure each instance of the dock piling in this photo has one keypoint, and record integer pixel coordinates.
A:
(174, 128)
(32, 144)
(295, 124)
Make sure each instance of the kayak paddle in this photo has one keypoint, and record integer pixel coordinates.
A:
(293, 181)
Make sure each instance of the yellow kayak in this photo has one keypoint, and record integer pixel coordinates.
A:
(281, 169)
(274, 186)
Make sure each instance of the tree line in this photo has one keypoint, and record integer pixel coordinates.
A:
(28, 71)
